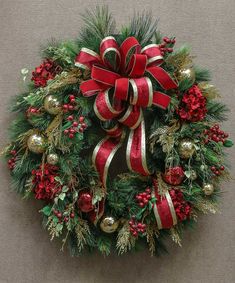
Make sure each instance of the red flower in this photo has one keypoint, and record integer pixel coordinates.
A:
(45, 185)
(182, 208)
(46, 71)
(193, 105)
(174, 175)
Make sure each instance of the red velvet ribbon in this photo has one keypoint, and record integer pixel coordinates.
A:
(132, 91)
(163, 209)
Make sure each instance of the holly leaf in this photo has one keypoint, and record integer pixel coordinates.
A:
(187, 174)
(228, 143)
(62, 196)
(46, 210)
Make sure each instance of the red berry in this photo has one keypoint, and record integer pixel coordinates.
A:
(71, 130)
(141, 204)
(169, 50)
(13, 152)
(83, 125)
(166, 39)
(145, 201)
(139, 225)
(71, 107)
(71, 136)
(65, 106)
(213, 168)
(66, 219)
(71, 97)
(81, 130)
(222, 167)
(75, 123)
(81, 119)
(217, 172)
(70, 118)
(148, 190)
(59, 214)
(72, 100)
(135, 234)
(72, 215)
(66, 131)
(149, 197)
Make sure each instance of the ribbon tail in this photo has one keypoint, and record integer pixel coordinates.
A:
(163, 209)
(103, 155)
(136, 150)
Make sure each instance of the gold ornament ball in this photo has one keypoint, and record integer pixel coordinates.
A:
(208, 189)
(52, 105)
(186, 73)
(186, 148)
(52, 158)
(36, 143)
(109, 224)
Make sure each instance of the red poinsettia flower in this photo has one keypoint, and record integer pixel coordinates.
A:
(45, 185)
(46, 71)
(193, 105)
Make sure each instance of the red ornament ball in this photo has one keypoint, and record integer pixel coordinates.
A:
(174, 176)
(85, 202)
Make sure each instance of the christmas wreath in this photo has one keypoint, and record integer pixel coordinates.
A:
(130, 92)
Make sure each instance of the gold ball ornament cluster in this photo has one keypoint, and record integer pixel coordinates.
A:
(52, 158)
(52, 105)
(186, 148)
(109, 224)
(208, 189)
(186, 73)
(36, 143)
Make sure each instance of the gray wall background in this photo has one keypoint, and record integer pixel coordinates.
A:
(26, 254)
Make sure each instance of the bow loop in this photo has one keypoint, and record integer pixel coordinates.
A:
(108, 46)
(153, 53)
(137, 65)
(87, 58)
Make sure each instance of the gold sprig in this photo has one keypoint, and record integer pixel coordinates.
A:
(82, 231)
(175, 236)
(125, 241)
(73, 76)
(152, 232)
(180, 59)
(206, 205)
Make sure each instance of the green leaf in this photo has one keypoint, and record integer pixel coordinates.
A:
(46, 210)
(62, 196)
(65, 189)
(228, 143)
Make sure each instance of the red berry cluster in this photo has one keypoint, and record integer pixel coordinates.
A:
(12, 160)
(77, 126)
(60, 215)
(163, 46)
(33, 110)
(71, 105)
(46, 71)
(136, 227)
(143, 198)
(215, 134)
(217, 169)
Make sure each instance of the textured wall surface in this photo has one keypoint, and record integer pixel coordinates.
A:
(26, 254)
